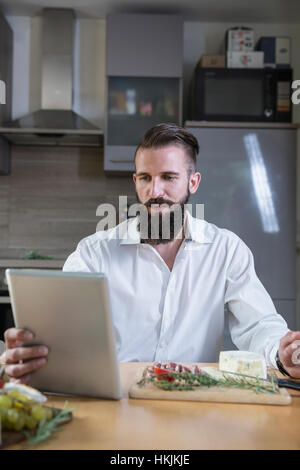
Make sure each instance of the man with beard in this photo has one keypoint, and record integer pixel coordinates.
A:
(168, 293)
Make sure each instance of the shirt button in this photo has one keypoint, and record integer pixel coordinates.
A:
(163, 345)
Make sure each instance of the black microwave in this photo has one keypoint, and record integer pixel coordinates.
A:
(228, 94)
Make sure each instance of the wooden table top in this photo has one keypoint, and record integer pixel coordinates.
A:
(156, 424)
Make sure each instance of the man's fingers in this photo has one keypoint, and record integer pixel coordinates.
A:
(18, 370)
(14, 355)
(294, 372)
(16, 335)
(25, 379)
(286, 340)
(290, 356)
(289, 353)
(289, 338)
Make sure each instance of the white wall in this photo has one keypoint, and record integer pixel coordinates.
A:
(21, 64)
(89, 70)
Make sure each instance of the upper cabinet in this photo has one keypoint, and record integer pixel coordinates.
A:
(144, 45)
(6, 50)
(144, 81)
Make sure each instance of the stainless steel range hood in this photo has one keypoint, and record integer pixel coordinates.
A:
(55, 123)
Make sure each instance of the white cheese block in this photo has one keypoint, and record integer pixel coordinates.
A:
(243, 362)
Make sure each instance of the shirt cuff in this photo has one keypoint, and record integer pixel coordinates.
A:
(272, 355)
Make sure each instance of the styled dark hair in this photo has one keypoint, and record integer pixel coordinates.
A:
(163, 135)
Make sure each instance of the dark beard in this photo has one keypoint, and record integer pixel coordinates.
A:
(162, 228)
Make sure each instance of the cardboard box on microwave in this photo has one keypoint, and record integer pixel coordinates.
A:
(243, 60)
(277, 51)
(210, 60)
(239, 39)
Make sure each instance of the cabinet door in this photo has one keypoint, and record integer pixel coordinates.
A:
(248, 186)
(144, 45)
(6, 51)
(4, 157)
(6, 76)
(134, 105)
(119, 158)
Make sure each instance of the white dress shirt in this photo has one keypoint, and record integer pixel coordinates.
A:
(162, 315)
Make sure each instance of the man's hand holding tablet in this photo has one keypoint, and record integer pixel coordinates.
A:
(21, 360)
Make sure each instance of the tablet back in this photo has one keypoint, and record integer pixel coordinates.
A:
(69, 313)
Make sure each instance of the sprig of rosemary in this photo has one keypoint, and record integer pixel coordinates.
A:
(191, 381)
(46, 428)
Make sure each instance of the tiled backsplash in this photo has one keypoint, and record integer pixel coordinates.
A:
(49, 201)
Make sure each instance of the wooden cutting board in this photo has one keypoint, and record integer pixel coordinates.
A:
(213, 394)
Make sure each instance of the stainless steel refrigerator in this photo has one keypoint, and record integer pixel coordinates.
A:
(248, 186)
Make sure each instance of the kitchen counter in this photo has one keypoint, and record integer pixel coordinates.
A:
(32, 263)
(24, 264)
(153, 424)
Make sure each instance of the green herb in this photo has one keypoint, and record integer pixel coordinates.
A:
(46, 428)
(34, 255)
(191, 381)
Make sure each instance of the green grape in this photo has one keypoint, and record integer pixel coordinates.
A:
(21, 405)
(20, 423)
(49, 413)
(5, 401)
(38, 412)
(30, 422)
(17, 394)
(7, 424)
(12, 416)
(3, 412)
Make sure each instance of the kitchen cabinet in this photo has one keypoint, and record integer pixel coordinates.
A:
(248, 186)
(5, 161)
(144, 81)
(144, 45)
(6, 49)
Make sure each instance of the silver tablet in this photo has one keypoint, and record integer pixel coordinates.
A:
(69, 313)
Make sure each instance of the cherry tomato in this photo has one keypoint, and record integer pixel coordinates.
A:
(163, 374)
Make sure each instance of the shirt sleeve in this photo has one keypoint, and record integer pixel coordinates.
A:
(254, 322)
(83, 259)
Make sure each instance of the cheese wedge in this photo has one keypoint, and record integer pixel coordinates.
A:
(243, 362)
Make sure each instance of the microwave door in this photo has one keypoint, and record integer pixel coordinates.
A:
(232, 95)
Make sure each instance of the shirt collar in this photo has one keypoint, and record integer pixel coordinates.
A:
(196, 230)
